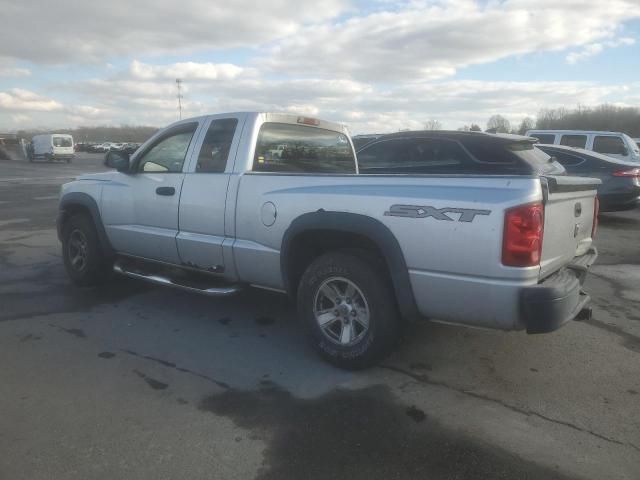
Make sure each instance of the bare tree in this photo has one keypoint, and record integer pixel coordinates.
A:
(475, 128)
(526, 124)
(432, 125)
(603, 117)
(498, 124)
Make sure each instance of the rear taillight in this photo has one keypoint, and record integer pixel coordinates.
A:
(634, 172)
(523, 231)
(596, 212)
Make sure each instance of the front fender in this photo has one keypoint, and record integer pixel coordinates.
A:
(73, 202)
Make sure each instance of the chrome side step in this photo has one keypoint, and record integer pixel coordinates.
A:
(166, 281)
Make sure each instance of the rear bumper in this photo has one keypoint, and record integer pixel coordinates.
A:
(557, 299)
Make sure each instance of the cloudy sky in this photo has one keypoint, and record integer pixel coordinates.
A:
(376, 65)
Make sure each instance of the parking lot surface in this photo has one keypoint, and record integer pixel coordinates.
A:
(135, 381)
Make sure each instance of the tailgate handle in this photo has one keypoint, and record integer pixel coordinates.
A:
(166, 191)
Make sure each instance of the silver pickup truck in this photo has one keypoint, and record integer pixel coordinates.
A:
(468, 228)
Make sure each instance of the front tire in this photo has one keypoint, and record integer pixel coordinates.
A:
(349, 310)
(83, 257)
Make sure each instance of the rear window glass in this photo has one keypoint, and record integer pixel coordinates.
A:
(283, 147)
(415, 155)
(566, 159)
(358, 143)
(451, 157)
(577, 141)
(62, 142)
(609, 145)
(544, 137)
(536, 158)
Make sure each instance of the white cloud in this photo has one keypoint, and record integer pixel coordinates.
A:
(377, 69)
(364, 107)
(593, 49)
(185, 71)
(87, 31)
(11, 71)
(428, 40)
(18, 99)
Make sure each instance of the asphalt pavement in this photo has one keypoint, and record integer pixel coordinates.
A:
(135, 381)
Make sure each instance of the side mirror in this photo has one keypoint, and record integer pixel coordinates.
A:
(624, 151)
(118, 160)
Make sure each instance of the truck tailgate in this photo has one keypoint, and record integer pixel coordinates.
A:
(568, 220)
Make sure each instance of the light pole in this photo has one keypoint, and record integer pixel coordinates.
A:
(179, 86)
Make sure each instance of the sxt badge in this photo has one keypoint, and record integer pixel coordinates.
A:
(416, 211)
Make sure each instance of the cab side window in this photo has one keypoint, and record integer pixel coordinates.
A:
(216, 146)
(167, 155)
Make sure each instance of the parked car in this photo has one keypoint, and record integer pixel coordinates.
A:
(620, 188)
(360, 141)
(613, 144)
(50, 147)
(130, 148)
(205, 207)
(102, 147)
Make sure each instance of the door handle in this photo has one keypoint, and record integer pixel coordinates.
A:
(166, 191)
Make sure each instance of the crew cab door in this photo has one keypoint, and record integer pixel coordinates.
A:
(203, 204)
(140, 208)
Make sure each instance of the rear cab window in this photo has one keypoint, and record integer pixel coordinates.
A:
(289, 148)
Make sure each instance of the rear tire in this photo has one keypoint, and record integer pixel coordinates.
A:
(349, 310)
(84, 260)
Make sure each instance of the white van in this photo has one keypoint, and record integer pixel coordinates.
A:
(613, 144)
(52, 146)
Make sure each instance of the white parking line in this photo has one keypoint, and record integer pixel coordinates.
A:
(15, 220)
(28, 179)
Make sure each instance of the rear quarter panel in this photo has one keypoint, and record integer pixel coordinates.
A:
(455, 267)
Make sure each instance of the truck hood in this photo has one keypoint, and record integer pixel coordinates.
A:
(98, 177)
